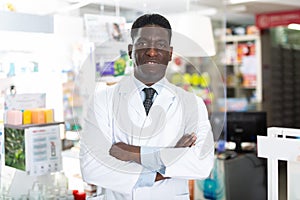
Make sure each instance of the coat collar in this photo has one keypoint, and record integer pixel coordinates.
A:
(128, 92)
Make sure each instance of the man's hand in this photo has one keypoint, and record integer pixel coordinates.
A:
(186, 140)
(160, 177)
(125, 152)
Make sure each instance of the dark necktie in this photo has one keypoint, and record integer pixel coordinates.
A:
(149, 93)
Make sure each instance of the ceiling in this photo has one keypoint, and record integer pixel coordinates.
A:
(234, 11)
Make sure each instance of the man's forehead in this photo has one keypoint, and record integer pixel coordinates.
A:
(153, 32)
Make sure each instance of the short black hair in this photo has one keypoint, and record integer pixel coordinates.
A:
(151, 19)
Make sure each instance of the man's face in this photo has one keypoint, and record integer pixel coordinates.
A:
(151, 53)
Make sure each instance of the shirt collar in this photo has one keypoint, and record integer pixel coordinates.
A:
(157, 86)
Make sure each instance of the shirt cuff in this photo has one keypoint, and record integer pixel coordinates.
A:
(150, 158)
(146, 179)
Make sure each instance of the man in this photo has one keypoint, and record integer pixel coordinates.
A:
(142, 143)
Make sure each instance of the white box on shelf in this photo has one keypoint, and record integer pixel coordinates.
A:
(35, 149)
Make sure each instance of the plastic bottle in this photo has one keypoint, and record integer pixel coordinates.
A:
(61, 181)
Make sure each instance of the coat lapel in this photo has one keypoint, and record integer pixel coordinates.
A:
(130, 96)
(166, 98)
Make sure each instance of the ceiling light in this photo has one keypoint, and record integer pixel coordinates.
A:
(238, 8)
(294, 26)
(208, 12)
(239, 1)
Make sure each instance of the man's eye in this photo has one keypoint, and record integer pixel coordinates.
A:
(161, 45)
(141, 44)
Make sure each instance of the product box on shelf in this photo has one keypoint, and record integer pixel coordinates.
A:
(249, 80)
(35, 149)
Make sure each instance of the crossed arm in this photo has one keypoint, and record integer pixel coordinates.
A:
(126, 152)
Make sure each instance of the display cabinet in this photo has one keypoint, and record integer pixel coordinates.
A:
(243, 67)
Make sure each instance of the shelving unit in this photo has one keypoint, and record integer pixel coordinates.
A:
(72, 112)
(243, 66)
(285, 86)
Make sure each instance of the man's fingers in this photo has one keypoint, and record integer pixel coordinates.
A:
(187, 140)
(190, 139)
(194, 138)
(193, 141)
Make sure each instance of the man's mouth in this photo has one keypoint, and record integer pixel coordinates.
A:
(151, 63)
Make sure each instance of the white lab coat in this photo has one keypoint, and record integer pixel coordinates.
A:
(116, 114)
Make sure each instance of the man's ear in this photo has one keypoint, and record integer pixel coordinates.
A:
(170, 53)
(130, 51)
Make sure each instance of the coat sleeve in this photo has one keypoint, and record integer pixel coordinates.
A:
(97, 166)
(195, 162)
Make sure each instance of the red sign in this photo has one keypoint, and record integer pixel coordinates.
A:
(268, 20)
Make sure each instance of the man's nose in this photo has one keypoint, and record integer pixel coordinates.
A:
(152, 51)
